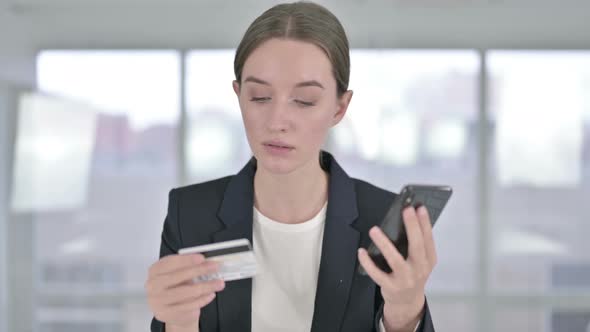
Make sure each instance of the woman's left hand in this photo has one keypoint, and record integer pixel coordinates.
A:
(403, 289)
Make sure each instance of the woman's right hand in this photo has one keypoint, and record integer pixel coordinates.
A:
(172, 295)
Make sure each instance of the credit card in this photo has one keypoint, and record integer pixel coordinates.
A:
(236, 259)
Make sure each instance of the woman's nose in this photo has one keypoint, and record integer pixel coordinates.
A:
(278, 118)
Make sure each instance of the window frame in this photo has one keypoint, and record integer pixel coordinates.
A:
(488, 302)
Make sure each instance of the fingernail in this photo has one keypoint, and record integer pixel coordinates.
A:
(220, 285)
(422, 210)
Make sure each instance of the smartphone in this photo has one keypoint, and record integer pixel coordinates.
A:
(433, 197)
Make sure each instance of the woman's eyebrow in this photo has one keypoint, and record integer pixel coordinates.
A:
(298, 85)
(309, 83)
(255, 80)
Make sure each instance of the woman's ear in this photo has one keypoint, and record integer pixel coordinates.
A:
(236, 86)
(342, 107)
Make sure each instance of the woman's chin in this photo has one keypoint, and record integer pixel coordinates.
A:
(276, 165)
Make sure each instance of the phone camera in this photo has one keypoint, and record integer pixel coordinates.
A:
(409, 200)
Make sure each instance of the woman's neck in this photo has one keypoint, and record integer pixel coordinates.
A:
(291, 198)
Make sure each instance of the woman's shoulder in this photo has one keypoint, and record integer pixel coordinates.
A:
(367, 189)
(208, 190)
(372, 201)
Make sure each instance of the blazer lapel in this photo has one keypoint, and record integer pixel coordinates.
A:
(234, 303)
(339, 251)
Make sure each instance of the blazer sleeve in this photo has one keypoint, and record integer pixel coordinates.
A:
(170, 243)
(425, 323)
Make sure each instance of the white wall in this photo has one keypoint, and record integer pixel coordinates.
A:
(4, 184)
(27, 26)
(16, 232)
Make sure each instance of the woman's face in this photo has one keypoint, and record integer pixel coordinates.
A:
(288, 102)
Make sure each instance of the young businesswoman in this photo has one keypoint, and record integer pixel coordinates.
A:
(305, 216)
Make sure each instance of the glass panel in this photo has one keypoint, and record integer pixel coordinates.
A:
(413, 119)
(216, 141)
(444, 316)
(540, 171)
(104, 243)
(4, 163)
(542, 320)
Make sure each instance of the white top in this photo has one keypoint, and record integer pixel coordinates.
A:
(288, 261)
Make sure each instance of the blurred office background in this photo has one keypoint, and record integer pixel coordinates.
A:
(107, 105)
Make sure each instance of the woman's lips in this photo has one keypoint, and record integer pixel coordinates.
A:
(278, 144)
(277, 149)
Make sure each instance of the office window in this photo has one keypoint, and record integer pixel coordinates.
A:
(4, 159)
(547, 319)
(445, 314)
(540, 170)
(413, 119)
(93, 256)
(216, 143)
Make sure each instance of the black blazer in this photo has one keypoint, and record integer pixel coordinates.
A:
(221, 210)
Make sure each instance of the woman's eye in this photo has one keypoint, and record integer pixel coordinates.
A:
(260, 99)
(304, 103)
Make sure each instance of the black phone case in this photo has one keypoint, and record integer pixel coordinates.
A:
(434, 198)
